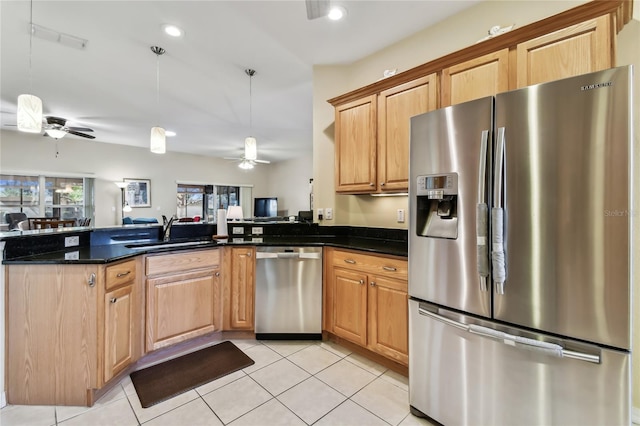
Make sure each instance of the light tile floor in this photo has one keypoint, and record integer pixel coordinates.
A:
(291, 383)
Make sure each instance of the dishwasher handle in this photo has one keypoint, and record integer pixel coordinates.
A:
(287, 255)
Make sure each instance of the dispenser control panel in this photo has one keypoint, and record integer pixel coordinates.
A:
(437, 186)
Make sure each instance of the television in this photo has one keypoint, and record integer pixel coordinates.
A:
(265, 207)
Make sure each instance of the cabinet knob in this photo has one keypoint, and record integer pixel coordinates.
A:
(249, 254)
(92, 280)
(381, 183)
(371, 184)
(361, 281)
(113, 300)
(372, 283)
(217, 274)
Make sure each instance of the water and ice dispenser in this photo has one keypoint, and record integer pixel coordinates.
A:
(437, 206)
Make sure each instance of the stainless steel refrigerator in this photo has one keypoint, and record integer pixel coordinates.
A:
(520, 256)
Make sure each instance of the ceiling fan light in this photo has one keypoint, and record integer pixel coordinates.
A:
(55, 133)
(29, 114)
(245, 165)
(250, 148)
(158, 140)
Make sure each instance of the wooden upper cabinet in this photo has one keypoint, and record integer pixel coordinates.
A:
(477, 78)
(575, 50)
(395, 108)
(355, 135)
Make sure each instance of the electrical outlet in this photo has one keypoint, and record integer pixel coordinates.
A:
(320, 214)
(71, 241)
(72, 255)
(256, 230)
(328, 213)
(237, 230)
(400, 216)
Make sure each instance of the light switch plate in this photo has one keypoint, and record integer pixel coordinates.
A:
(328, 213)
(400, 216)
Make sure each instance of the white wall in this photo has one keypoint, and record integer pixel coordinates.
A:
(289, 181)
(24, 152)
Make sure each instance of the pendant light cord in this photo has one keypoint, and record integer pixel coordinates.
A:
(250, 105)
(30, 45)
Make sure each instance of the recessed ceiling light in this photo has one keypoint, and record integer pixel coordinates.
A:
(169, 133)
(337, 12)
(172, 30)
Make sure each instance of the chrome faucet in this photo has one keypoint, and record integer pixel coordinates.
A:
(166, 228)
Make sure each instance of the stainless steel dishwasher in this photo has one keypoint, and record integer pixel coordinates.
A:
(288, 303)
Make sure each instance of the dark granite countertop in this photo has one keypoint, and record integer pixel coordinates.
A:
(100, 252)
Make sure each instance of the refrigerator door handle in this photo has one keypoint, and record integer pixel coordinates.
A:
(497, 218)
(513, 340)
(482, 215)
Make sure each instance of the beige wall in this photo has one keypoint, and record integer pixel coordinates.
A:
(289, 181)
(23, 152)
(629, 53)
(450, 35)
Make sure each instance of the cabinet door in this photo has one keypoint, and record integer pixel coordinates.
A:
(350, 305)
(355, 146)
(477, 78)
(242, 288)
(579, 49)
(119, 323)
(180, 306)
(388, 318)
(395, 107)
(52, 333)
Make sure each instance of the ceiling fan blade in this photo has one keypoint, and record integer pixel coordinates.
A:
(262, 161)
(317, 8)
(80, 129)
(84, 135)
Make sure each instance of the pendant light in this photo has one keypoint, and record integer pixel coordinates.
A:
(158, 144)
(250, 143)
(29, 113)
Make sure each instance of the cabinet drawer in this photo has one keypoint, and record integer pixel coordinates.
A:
(120, 274)
(182, 261)
(379, 265)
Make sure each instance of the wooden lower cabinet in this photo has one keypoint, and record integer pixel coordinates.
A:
(239, 288)
(350, 305)
(182, 296)
(123, 317)
(366, 301)
(388, 332)
(70, 329)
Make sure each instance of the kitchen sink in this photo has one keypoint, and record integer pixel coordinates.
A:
(168, 244)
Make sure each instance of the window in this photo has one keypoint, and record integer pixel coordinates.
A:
(191, 199)
(46, 196)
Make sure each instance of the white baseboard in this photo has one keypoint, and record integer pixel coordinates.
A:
(635, 415)
(3, 399)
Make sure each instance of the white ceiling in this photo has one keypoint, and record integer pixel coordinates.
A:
(110, 86)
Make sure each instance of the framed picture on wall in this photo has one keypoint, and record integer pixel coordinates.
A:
(138, 192)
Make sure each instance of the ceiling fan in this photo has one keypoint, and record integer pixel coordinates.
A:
(57, 128)
(250, 157)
